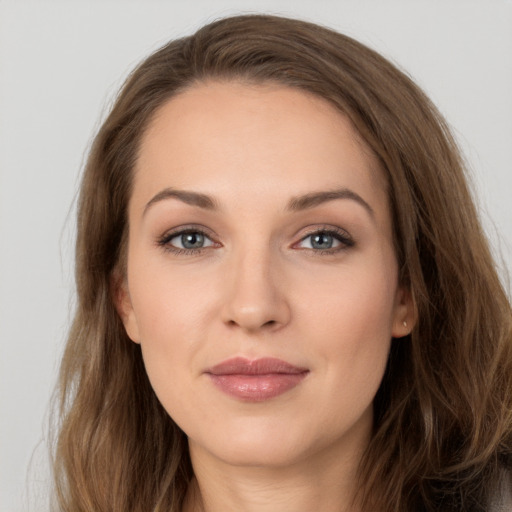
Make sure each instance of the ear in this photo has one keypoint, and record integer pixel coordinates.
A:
(123, 304)
(405, 315)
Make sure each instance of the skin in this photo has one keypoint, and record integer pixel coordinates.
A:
(260, 288)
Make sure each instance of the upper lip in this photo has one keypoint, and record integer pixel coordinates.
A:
(263, 366)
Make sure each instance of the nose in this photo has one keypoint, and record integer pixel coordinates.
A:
(255, 299)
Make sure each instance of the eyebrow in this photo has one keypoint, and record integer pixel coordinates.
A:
(298, 203)
(186, 196)
(316, 198)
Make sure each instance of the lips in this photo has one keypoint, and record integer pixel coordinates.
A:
(256, 380)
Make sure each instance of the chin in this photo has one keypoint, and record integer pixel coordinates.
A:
(248, 443)
(260, 444)
(250, 455)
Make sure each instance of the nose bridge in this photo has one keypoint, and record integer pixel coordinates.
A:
(256, 298)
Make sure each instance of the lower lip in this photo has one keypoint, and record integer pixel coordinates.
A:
(257, 388)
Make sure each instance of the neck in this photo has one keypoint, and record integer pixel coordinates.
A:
(326, 482)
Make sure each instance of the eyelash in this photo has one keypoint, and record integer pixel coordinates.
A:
(346, 241)
(164, 241)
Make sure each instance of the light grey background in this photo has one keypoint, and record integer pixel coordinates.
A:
(60, 65)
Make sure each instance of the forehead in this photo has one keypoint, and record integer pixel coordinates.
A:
(259, 139)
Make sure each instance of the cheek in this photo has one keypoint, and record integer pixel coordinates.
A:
(350, 301)
(164, 316)
(167, 299)
(349, 317)
(176, 309)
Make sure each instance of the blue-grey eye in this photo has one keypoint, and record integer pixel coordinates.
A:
(325, 240)
(322, 241)
(190, 240)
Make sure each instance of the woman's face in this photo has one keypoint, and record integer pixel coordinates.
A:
(261, 278)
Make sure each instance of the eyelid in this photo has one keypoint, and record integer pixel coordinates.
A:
(343, 236)
(163, 240)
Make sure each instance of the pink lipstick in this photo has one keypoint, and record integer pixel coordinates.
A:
(257, 380)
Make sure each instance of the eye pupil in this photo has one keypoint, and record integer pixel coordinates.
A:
(321, 241)
(192, 240)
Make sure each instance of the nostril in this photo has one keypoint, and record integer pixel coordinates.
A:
(266, 325)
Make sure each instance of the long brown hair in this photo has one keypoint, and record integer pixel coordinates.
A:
(443, 414)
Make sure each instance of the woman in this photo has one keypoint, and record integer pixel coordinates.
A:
(285, 298)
